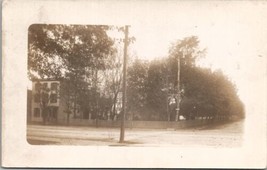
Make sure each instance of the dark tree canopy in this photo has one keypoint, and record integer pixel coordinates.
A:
(80, 55)
(74, 54)
(204, 93)
(136, 91)
(55, 50)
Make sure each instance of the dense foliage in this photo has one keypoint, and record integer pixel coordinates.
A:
(205, 93)
(88, 63)
(77, 55)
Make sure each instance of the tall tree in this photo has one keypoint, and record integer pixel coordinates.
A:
(136, 88)
(205, 93)
(114, 81)
(74, 53)
(156, 96)
(56, 49)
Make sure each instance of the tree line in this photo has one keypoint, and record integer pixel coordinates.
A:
(204, 93)
(89, 62)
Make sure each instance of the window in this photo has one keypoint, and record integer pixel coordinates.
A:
(36, 112)
(44, 85)
(37, 86)
(53, 98)
(54, 86)
(45, 97)
(37, 98)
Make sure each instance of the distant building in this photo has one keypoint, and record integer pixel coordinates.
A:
(48, 100)
(45, 100)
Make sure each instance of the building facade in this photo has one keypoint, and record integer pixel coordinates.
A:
(45, 101)
(50, 104)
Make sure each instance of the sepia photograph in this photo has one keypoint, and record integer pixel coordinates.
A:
(134, 84)
(89, 86)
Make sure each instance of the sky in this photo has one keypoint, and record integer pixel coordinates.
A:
(233, 32)
(234, 36)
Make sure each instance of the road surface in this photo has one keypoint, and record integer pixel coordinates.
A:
(226, 135)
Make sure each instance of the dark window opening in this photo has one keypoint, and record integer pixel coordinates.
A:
(45, 97)
(44, 85)
(54, 86)
(53, 98)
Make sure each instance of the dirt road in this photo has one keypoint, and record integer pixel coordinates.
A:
(226, 135)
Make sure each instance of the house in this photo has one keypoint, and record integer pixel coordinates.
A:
(52, 103)
(46, 101)
(48, 104)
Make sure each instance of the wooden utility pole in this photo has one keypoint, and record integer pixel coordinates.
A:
(124, 85)
(167, 100)
(177, 117)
